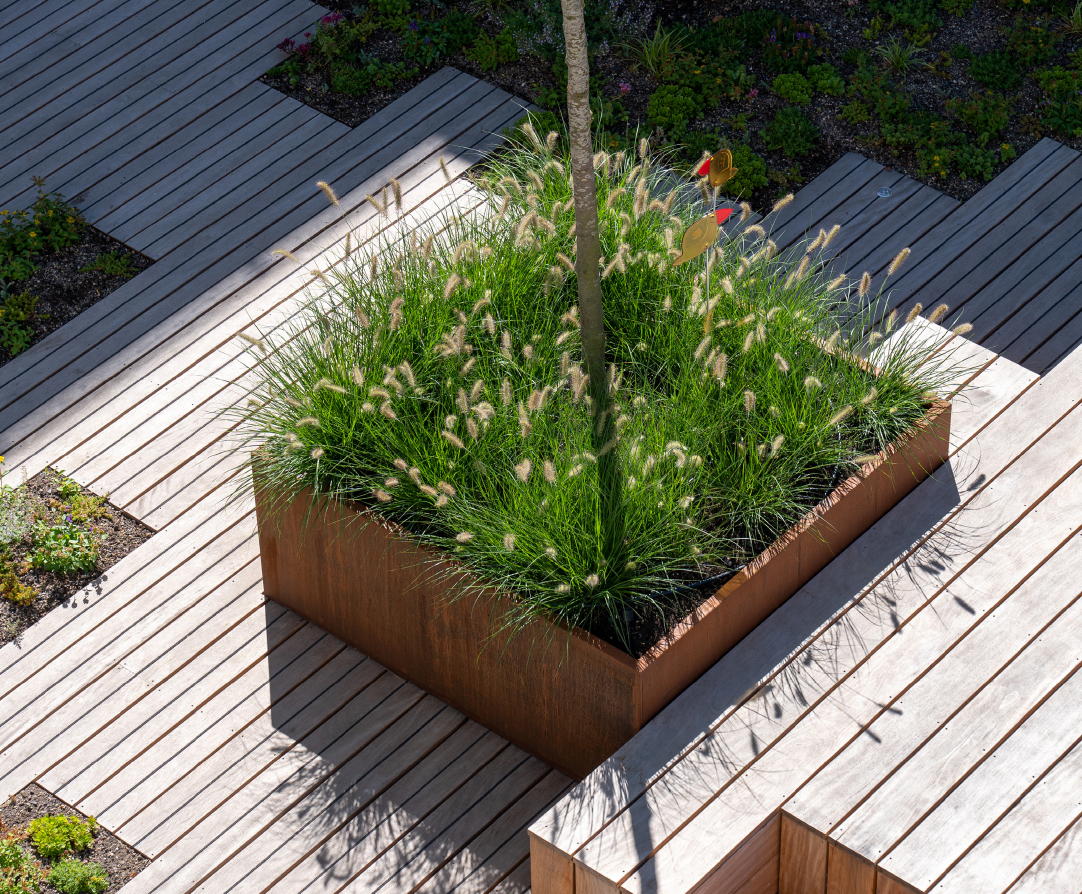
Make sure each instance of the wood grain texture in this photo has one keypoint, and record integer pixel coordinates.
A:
(803, 864)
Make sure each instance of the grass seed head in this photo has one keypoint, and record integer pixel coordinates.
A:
(914, 312)
(453, 439)
(749, 402)
(938, 314)
(899, 259)
(840, 416)
(781, 203)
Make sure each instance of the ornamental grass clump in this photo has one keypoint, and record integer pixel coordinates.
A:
(438, 382)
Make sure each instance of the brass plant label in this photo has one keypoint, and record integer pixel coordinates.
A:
(718, 168)
(701, 235)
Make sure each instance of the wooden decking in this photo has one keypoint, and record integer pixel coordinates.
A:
(910, 721)
(1007, 261)
(237, 745)
(243, 749)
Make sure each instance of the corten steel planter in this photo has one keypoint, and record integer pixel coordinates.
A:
(565, 696)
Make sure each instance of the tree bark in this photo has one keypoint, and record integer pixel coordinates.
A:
(588, 242)
(591, 307)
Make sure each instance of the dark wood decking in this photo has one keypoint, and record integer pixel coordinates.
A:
(1007, 261)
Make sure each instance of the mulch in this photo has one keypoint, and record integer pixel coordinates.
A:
(120, 535)
(121, 861)
(980, 30)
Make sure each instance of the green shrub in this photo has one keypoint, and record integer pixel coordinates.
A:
(391, 14)
(75, 877)
(917, 16)
(111, 263)
(791, 45)
(825, 79)
(366, 73)
(855, 112)
(672, 107)
(886, 98)
(956, 7)
(1061, 109)
(65, 549)
(711, 79)
(16, 312)
(19, 872)
(985, 114)
(793, 88)
(996, 71)
(50, 225)
(489, 52)
(393, 410)
(961, 51)
(57, 835)
(974, 161)
(11, 588)
(1031, 42)
(791, 132)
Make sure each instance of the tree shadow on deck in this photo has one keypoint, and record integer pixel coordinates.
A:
(720, 726)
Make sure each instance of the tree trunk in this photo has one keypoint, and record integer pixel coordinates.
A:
(588, 275)
(588, 243)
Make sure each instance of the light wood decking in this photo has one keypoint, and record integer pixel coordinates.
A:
(242, 748)
(910, 720)
(237, 745)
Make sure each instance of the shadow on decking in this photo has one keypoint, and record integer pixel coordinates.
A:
(774, 676)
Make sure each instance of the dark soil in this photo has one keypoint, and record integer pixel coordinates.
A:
(843, 23)
(521, 79)
(979, 30)
(64, 291)
(118, 533)
(121, 861)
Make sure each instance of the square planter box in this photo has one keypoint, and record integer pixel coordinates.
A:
(563, 695)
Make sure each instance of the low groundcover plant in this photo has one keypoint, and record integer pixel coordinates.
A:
(437, 382)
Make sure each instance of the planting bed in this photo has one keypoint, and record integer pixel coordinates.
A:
(53, 500)
(120, 861)
(944, 91)
(53, 266)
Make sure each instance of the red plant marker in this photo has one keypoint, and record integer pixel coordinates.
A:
(704, 168)
(722, 215)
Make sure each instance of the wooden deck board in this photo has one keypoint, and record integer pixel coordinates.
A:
(295, 764)
(192, 137)
(232, 240)
(84, 126)
(212, 747)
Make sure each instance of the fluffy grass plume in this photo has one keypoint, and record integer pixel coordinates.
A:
(460, 412)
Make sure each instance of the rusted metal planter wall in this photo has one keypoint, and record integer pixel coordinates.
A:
(565, 696)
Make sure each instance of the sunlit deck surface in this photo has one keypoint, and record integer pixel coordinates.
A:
(911, 720)
(241, 748)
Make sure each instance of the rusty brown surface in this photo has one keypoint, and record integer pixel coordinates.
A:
(564, 696)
